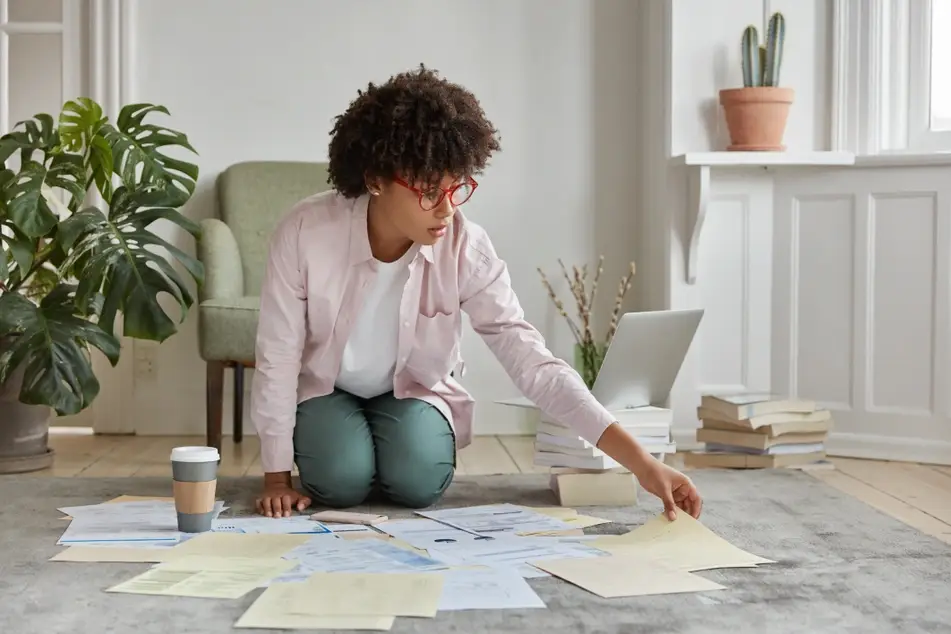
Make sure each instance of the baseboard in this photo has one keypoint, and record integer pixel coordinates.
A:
(876, 447)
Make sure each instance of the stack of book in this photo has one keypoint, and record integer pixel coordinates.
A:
(558, 445)
(756, 431)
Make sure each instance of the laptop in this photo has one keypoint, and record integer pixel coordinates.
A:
(644, 358)
(643, 361)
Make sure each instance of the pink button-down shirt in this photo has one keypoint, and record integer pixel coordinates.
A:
(318, 269)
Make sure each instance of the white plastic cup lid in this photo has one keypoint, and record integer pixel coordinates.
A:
(194, 454)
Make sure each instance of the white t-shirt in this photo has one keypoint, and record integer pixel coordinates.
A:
(369, 358)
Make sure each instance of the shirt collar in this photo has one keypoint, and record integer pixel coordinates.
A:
(360, 239)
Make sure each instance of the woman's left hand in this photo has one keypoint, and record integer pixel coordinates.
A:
(673, 488)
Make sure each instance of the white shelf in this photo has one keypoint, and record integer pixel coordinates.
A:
(764, 159)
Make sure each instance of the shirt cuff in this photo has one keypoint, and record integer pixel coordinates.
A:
(277, 453)
(593, 424)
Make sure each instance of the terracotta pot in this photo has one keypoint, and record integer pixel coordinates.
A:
(756, 117)
(24, 429)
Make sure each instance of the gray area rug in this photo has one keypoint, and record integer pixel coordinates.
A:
(842, 566)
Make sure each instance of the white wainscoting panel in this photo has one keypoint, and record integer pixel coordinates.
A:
(861, 306)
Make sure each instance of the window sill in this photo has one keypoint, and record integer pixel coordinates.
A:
(903, 159)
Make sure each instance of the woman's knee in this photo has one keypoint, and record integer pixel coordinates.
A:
(337, 482)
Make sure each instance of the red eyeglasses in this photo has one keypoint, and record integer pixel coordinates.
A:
(429, 200)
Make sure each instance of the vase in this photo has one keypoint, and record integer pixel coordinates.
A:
(756, 117)
(24, 428)
(589, 368)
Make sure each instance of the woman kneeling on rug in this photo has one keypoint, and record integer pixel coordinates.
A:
(357, 353)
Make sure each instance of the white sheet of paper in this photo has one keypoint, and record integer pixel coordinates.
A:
(357, 555)
(486, 589)
(513, 552)
(272, 611)
(295, 525)
(496, 519)
(347, 594)
(426, 533)
(126, 522)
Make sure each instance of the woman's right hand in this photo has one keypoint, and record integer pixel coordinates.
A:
(280, 498)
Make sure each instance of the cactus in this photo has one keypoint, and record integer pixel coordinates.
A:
(775, 39)
(752, 73)
(761, 63)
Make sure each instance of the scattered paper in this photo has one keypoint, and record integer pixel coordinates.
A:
(625, 575)
(101, 554)
(238, 545)
(486, 589)
(578, 522)
(205, 577)
(353, 594)
(142, 521)
(684, 544)
(272, 610)
(514, 552)
(496, 519)
(363, 556)
(426, 533)
(295, 525)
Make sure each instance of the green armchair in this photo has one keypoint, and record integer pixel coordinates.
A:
(252, 197)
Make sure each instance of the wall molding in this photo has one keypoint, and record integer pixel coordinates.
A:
(111, 69)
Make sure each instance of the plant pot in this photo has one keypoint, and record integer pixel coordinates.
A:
(756, 117)
(24, 430)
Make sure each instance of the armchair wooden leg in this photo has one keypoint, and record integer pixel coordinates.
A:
(238, 402)
(214, 395)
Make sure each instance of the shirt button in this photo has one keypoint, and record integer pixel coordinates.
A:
(406, 324)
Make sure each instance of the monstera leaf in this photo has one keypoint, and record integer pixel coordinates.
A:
(136, 156)
(116, 256)
(26, 197)
(80, 127)
(51, 343)
(39, 134)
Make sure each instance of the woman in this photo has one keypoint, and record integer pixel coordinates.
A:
(357, 356)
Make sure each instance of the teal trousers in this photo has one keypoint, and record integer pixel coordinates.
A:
(347, 448)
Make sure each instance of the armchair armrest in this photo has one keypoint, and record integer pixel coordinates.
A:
(218, 251)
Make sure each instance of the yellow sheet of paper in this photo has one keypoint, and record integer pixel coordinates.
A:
(206, 577)
(111, 554)
(237, 545)
(685, 544)
(272, 610)
(352, 594)
(625, 576)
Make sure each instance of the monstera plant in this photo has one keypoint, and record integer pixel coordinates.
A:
(81, 264)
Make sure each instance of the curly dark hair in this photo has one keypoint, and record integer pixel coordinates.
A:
(416, 124)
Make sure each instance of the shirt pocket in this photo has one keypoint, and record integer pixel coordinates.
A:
(436, 349)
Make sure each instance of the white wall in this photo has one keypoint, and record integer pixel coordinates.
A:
(253, 80)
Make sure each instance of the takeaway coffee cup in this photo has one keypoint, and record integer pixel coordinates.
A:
(194, 480)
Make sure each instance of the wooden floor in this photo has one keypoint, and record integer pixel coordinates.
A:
(919, 495)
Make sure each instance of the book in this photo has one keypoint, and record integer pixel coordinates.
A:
(757, 441)
(714, 459)
(752, 404)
